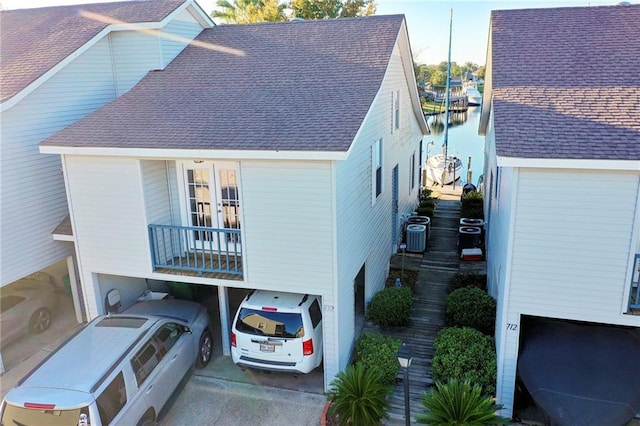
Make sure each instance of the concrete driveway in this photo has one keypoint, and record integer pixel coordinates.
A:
(210, 401)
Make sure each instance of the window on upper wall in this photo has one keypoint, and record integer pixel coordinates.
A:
(412, 171)
(396, 110)
(376, 169)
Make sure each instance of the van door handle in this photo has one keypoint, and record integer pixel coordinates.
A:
(149, 390)
(174, 358)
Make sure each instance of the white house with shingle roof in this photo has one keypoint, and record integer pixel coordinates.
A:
(59, 64)
(277, 156)
(562, 204)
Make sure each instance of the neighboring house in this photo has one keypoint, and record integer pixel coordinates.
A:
(562, 182)
(278, 156)
(59, 64)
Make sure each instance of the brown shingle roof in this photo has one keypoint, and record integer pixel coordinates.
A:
(566, 82)
(32, 41)
(301, 86)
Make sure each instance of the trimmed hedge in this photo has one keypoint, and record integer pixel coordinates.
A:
(471, 307)
(391, 307)
(472, 205)
(468, 279)
(464, 353)
(376, 351)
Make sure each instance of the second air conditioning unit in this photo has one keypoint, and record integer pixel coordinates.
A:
(416, 238)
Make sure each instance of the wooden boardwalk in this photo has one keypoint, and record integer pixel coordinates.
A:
(437, 267)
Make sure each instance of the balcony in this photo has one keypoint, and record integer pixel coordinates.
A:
(634, 294)
(196, 251)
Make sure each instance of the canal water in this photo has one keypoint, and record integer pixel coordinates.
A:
(463, 140)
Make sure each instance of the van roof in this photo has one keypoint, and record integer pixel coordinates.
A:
(81, 362)
(283, 301)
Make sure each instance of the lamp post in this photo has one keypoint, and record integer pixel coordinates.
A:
(403, 248)
(405, 355)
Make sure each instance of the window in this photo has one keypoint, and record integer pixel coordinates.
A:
(376, 156)
(315, 313)
(396, 110)
(412, 171)
(168, 335)
(145, 361)
(112, 399)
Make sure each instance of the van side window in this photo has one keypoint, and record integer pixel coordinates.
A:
(145, 361)
(315, 313)
(112, 399)
(168, 335)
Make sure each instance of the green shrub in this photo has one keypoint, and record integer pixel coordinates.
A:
(459, 403)
(359, 396)
(468, 279)
(375, 351)
(427, 202)
(425, 211)
(472, 205)
(465, 354)
(471, 307)
(391, 307)
(426, 193)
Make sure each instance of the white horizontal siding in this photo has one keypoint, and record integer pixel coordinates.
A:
(184, 26)
(287, 227)
(571, 244)
(134, 54)
(364, 231)
(108, 212)
(157, 198)
(33, 194)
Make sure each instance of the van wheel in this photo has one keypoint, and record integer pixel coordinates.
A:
(40, 320)
(205, 349)
(147, 422)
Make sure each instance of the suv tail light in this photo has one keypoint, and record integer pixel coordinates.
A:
(233, 339)
(307, 347)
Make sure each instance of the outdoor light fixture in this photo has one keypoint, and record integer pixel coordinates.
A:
(403, 248)
(404, 356)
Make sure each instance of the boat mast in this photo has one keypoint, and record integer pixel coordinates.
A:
(448, 89)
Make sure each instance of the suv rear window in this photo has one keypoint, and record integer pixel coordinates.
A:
(14, 415)
(272, 324)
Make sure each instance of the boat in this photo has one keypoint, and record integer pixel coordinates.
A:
(443, 169)
(474, 97)
(441, 172)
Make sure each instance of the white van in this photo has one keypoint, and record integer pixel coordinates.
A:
(278, 331)
(119, 369)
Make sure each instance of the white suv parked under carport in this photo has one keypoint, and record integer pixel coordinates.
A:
(278, 331)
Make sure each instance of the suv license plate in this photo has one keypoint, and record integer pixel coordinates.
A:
(266, 347)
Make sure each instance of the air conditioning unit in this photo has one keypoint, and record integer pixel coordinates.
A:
(416, 238)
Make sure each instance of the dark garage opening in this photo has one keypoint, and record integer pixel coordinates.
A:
(578, 373)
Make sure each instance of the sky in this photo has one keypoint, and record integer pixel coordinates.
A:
(427, 22)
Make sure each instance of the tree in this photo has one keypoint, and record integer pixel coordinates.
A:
(481, 72)
(249, 11)
(323, 9)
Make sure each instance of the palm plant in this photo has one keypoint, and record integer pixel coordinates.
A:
(359, 396)
(458, 403)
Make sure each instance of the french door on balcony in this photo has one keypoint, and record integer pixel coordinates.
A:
(211, 200)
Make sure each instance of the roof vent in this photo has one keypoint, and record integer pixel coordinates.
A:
(624, 3)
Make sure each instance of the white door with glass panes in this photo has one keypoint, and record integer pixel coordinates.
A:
(211, 200)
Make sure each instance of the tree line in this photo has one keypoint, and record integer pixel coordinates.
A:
(436, 75)
(251, 11)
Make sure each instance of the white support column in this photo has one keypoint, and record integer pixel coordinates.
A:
(73, 283)
(225, 328)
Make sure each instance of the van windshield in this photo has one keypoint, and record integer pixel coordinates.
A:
(271, 324)
(15, 415)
